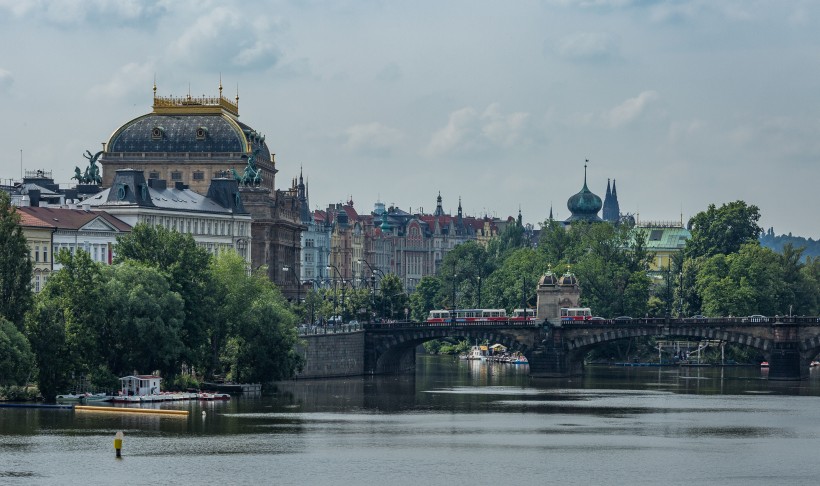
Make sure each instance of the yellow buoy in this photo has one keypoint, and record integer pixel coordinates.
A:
(118, 443)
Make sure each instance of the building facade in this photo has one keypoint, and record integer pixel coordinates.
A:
(191, 141)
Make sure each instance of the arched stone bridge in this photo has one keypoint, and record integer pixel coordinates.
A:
(557, 349)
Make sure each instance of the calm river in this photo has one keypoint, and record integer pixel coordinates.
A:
(452, 423)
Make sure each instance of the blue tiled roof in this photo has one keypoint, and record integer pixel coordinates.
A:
(178, 134)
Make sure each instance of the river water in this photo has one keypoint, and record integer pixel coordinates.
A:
(452, 422)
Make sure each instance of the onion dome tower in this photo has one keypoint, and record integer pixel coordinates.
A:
(584, 205)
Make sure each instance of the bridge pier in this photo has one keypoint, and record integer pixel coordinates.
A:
(552, 360)
(786, 362)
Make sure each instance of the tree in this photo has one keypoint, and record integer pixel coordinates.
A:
(723, 230)
(143, 320)
(16, 358)
(425, 297)
(187, 268)
(392, 299)
(45, 330)
(259, 329)
(15, 265)
(514, 283)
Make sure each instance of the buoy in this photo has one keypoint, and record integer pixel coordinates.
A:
(118, 444)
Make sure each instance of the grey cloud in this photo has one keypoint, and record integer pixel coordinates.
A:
(588, 46)
(224, 39)
(102, 14)
(6, 80)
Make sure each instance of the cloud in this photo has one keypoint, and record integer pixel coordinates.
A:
(781, 138)
(389, 73)
(630, 110)
(130, 78)
(588, 46)
(6, 80)
(101, 13)
(468, 131)
(222, 38)
(373, 139)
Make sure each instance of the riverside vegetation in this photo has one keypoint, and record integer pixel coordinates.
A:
(166, 305)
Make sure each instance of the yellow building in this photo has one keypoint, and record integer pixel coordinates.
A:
(39, 236)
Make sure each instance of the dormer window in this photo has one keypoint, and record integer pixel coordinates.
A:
(201, 133)
(157, 133)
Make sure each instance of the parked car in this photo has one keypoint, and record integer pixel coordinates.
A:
(756, 318)
(623, 318)
(597, 318)
(698, 316)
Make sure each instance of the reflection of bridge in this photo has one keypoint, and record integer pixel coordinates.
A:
(558, 349)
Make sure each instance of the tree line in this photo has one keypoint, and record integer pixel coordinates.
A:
(165, 306)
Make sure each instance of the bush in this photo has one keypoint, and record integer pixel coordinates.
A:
(14, 393)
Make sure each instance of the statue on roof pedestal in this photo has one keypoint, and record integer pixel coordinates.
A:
(92, 172)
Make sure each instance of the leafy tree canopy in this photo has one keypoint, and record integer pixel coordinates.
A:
(15, 265)
(723, 230)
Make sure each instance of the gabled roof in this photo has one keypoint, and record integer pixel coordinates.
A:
(75, 219)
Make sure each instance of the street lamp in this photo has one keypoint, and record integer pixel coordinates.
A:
(286, 269)
(479, 291)
(373, 272)
(329, 266)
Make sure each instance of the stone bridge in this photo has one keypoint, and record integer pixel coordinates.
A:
(556, 349)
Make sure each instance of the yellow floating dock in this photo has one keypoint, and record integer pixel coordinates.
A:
(89, 408)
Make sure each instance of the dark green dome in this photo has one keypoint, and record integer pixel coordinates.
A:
(584, 205)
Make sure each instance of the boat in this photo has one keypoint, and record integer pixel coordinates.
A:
(475, 353)
(70, 397)
(214, 396)
(815, 364)
(96, 397)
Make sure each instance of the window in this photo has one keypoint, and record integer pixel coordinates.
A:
(45, 254)
(655, 235)
(199, 176)
(156, 133)
(176, 176)
(153, 175)
(201, 133)
(37, 254)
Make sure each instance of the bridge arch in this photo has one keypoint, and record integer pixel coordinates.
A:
(394, 351)
(589, 340)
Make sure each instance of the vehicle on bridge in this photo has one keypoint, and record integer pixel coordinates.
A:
(576, 314)
(523, 315)
(467, 315)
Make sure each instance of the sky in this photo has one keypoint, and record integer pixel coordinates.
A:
(684, 103)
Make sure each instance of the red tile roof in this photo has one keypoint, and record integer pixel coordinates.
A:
(63, 218)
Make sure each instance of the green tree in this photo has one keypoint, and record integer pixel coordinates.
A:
(514, 282)
(262, 346)
(143, 320)
(392, 299)
(187, 268)
(723, 230)
(16, 358)
(426, 297)
(743, 283)
(15, 265)
(45, 330)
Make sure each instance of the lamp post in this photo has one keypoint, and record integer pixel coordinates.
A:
(479, 291)
(329, 266)
(453, 315)
(373, 272)
(286, 269)
(680, 309)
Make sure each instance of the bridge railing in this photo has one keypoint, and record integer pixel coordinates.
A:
(330, 329)
(457, 323)
(747, 320)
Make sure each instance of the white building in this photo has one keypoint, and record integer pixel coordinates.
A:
(217, 221)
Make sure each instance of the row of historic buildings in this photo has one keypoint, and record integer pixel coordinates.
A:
(191, 166)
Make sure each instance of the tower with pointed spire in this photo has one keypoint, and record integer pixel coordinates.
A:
(612, 212)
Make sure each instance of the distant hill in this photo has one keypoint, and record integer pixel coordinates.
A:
(776, 243)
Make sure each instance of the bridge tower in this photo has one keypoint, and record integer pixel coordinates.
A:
(554, 293)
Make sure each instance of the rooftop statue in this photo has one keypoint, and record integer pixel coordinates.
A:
(92, 172)
(251, 175)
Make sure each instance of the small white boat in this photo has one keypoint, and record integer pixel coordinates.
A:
(475, 353)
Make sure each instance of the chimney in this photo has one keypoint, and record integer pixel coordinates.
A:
(34, 197)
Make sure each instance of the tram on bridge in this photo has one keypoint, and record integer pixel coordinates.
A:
(479, 315)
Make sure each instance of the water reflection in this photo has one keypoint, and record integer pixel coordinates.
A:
(446, 423)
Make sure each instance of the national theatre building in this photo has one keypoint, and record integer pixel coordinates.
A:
(187, 143)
